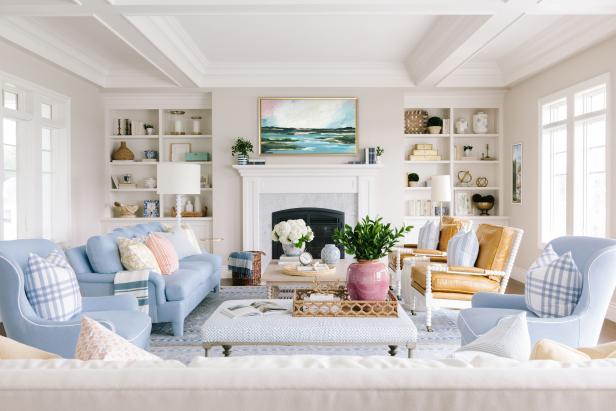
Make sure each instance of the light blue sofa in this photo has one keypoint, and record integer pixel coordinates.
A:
(118, 313)
(172, 297)
(596, 259)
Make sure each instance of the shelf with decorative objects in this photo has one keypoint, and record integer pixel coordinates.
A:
(467, 147)
(178, 129)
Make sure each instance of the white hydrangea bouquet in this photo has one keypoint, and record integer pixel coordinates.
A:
(292, 233)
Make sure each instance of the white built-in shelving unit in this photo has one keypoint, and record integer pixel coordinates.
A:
(452, 107)
(156, 110)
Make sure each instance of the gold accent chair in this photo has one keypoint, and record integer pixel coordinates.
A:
(449, 227)
(448, 286)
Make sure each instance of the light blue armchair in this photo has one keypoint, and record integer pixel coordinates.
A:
(596, 259)
(118, 313)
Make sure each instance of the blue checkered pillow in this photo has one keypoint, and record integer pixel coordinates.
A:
(463, 249)
(553, 285)
(51, 287)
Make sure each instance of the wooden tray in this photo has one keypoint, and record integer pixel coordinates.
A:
(345, 307)
(292, 270)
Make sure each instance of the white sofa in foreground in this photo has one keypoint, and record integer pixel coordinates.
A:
(307, 383)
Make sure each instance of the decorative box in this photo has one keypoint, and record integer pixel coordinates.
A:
(197, 156)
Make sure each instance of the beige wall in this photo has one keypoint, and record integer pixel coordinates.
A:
(235, 115)
(521, 120)
(87, 143)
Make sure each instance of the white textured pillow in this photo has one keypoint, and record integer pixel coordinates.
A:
(429, 235)
(509, 339)
(135, 255)
(181, 243)
(553, 285)
(463, 249)
(96, 342)
(190, 234)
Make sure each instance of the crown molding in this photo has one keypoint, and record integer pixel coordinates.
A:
(119, 99)
(556, 43)
(475, 74)
(307, 74)
(44, 44)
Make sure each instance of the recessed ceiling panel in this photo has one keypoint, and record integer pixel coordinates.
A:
(306, 38)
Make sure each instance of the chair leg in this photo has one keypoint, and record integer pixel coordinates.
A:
(178, 328)
(216, 289)
(428, 299)
(414, 305)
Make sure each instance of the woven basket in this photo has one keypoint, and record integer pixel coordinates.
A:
(240, 279)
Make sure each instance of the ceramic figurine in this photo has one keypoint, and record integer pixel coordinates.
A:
(197, 204)
(189, 208)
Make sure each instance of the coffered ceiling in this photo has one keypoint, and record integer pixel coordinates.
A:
(232, 43)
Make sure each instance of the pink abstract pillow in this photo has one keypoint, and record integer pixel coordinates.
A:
(164, 252)
(96, 342)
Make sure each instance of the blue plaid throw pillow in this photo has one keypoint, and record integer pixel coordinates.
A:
(51, 287)
(553, 285)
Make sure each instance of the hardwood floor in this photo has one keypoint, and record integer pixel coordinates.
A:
(608, 333)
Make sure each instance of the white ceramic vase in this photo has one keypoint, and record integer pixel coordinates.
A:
(292, 251)
(480, 123)
(330, 254)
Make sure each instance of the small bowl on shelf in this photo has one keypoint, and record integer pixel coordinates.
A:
(484, 207)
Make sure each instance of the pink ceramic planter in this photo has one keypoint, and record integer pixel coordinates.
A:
(368, 281)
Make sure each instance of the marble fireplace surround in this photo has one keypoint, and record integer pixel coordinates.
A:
(346, 187)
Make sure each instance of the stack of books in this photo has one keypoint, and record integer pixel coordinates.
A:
(420, 208)
(286, 260)
(424, 152)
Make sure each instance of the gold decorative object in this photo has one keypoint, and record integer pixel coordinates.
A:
(464, 177)
(341, 305)
(123, 152)
(186, 213)
(481, 181)
(486, 156)
(415, 121)
(125, 210)
(484, 206)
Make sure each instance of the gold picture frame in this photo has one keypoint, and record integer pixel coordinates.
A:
(177, 150)
(339, 137)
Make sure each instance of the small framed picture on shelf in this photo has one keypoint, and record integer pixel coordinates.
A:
(151, 208)
(464, 204)
(516, 181)
(177, 151)
(126, 179)
(115, 183)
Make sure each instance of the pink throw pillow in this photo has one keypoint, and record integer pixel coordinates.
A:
(165, 254)
(96, 342)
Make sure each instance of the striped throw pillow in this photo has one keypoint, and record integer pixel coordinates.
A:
(51, 287)
(553, 285)
(428, 236)
(463, 249)
(164, 253)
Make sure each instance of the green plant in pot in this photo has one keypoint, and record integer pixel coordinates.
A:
(484, 203)
(242, 148)
(413, 180)
(379, 152)
(369, 241)
(435, 125)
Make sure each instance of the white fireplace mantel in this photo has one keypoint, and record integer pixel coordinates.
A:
(358, 179)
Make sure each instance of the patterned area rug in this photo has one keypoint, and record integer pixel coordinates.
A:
(435, 345)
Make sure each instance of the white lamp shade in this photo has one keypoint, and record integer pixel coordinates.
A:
(178, 178)
(441, 188)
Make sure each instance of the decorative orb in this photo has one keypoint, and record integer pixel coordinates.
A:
(465, 176)
(482, 182)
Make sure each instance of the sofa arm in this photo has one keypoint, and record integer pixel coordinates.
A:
(125, 302)
(215, 259)
(158, 282)
(95, 278)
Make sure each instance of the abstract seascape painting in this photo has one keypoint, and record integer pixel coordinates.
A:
(308, 126)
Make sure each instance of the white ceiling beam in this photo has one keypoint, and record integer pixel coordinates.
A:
(454, 40)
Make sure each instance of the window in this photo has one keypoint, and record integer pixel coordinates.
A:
(35, 180)
(574, 161)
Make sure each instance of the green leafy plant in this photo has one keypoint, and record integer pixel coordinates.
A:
(146, 126)
(241, 146)
(413, 177)
(370, 239)
(468, 148)
(379, 151)
(435, 121)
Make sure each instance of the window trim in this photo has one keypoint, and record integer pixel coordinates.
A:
(31, 95)
(569, 94)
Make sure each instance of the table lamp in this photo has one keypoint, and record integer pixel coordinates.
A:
(179, 179)
(441, 191)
